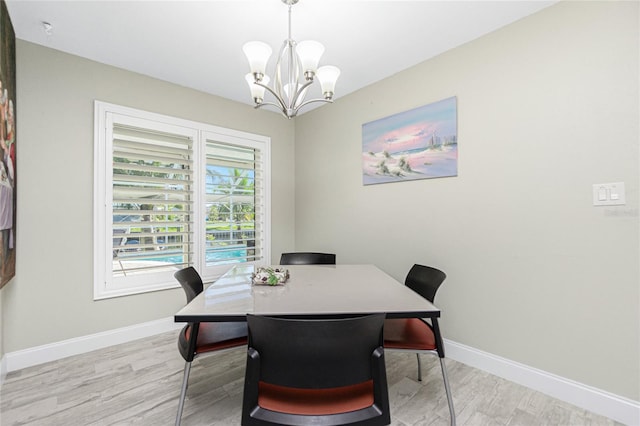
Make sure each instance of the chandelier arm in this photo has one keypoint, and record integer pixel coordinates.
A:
(278, 107)
(292, 62)
(282, 105)
(329, 101)
(260, 105)
(292, 73)
(299, 92)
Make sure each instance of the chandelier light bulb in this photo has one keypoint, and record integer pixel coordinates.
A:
(257, 91)
(328, 75)
(309, 52)
(290, 93)
(258, 54)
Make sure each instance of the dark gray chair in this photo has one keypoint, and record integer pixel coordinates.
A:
(307, 258)
(315, 372)
(416, 334)
(211, 336)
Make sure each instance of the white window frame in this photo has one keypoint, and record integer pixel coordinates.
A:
(105, 285)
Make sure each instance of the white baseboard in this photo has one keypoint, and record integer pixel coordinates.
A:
(58, 350)
(3, 370)
(615, 407)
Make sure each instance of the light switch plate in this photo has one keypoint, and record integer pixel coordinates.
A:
(609, 194)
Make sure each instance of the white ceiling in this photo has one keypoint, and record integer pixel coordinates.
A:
(198, 44)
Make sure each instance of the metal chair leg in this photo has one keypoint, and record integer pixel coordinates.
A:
(419, 367)
(448, 391)
(183, 392)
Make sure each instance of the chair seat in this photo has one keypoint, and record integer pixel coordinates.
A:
(408, 333)
(315, 402)
(214, 336)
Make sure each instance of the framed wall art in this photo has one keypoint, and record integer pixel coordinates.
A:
(421, 143)
(8, 147)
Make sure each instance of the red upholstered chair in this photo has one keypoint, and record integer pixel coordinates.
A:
(307, 258)
(416, 334)
(315, 372)
(211, 336)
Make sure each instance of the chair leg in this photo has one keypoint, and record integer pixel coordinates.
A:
(447, 389)
(183, 392)
(419, 367)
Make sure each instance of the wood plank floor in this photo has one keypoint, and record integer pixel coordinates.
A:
(138, 383)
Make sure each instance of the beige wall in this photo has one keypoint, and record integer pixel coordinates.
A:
(547, 107)
(51, 297)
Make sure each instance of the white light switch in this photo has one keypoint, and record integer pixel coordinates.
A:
(609, 194)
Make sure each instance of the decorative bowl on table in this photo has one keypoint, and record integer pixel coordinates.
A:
(269, 276)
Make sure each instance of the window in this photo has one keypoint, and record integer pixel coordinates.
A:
(171, 193)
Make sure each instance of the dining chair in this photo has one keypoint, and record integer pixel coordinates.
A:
(315, 372)
(416, 334)
(199, 338)
(307, 258)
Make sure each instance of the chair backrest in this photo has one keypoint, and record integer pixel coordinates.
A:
(311, 356)
(307, 258)
(315, 353)
(190, 281)
(425, 280)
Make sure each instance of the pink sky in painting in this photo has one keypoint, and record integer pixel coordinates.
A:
(405, 138)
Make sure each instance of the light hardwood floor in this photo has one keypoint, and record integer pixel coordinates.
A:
(138, 383)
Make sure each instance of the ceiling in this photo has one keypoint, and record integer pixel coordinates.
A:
(198, 44)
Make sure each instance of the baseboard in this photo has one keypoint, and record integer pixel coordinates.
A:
(58, 350)
(615, 407)
(3, 370)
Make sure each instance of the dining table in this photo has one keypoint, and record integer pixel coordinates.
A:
(311, 291)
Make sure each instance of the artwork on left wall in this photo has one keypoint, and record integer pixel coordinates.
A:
(8, 147)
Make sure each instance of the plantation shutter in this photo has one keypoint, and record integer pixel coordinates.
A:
(234, 202)
(152, 200)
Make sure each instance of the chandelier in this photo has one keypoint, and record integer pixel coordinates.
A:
(296, 69)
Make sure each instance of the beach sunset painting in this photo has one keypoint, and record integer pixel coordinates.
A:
(418, 144)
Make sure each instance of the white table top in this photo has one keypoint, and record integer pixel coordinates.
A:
(314, 291)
